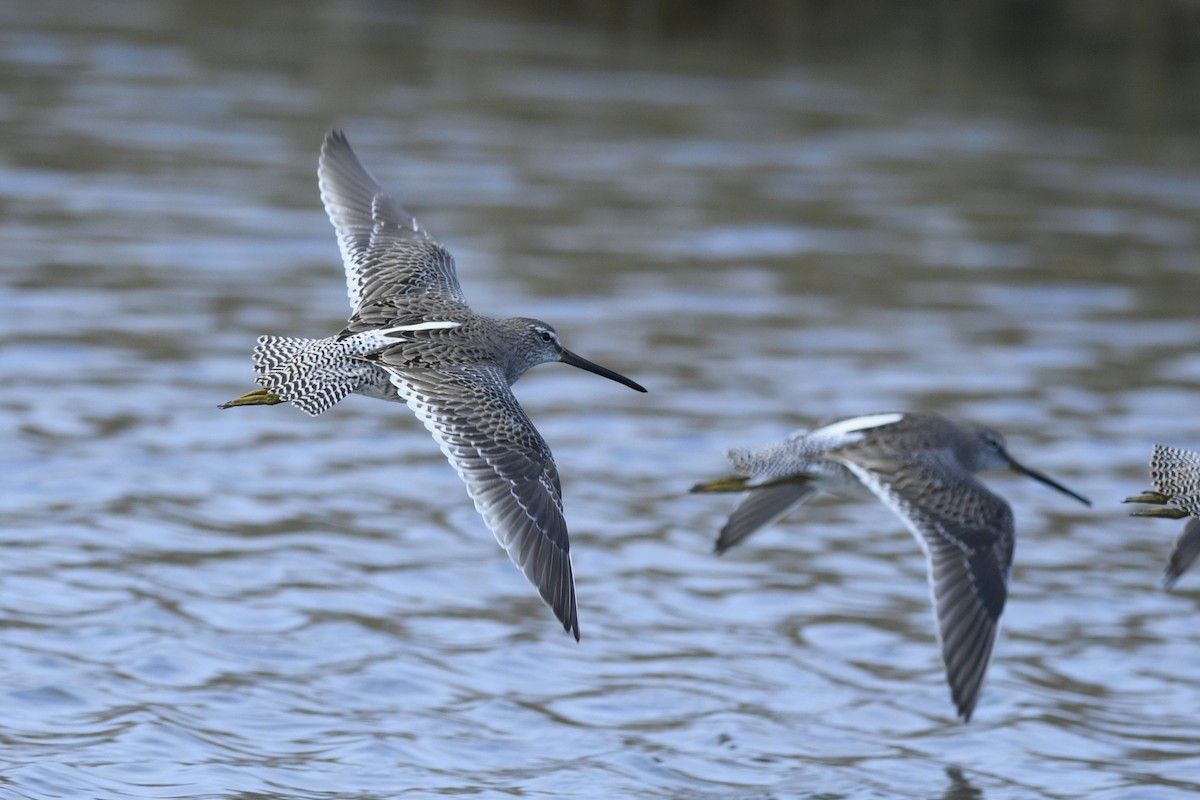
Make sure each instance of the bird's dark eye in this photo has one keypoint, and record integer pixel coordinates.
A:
(547, 336)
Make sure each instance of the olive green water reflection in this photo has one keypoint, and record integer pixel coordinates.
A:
(766, 215)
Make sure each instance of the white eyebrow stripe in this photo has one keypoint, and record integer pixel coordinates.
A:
(432, 325)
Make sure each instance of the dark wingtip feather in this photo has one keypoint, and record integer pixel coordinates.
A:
(1185, 552)
(760, 507)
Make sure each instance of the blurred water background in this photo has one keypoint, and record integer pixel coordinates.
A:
(768, 213)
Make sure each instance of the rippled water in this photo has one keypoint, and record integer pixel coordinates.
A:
(253, 603)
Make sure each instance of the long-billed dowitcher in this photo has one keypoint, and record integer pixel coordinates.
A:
(922, 466)
(412, 337)
(1176, 477)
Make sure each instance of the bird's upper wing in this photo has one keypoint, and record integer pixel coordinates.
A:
(385, 250)
(507, 467)
(967, 535)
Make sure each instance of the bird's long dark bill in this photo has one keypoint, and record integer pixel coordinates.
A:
(1046, 479)
(575, 361)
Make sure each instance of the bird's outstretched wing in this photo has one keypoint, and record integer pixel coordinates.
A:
(1184, 553)
(385, 250)
(966, 532)
(759, 508)
(507, 467)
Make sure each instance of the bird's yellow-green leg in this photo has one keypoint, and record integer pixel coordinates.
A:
(740, 483)
(1165, 512)
(1149, 496)
(735, 483)
(1154, 498)
(259, 397)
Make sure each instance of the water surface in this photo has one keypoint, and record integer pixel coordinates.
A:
(762, 227)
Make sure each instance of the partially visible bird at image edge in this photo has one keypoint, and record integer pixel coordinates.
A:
(1175, 474)
(412, 338)
(922, 466)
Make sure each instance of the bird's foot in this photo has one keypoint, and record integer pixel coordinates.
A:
(734, 483)
(1161, 513)
(1152, 497)
(259, 397)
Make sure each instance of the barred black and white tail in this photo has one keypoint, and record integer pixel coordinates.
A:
(313, 374)
(1176, 473)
